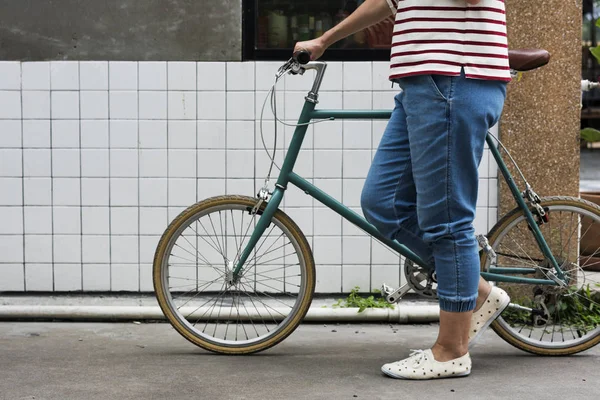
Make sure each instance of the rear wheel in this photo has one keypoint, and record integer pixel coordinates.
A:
(553, 320)
(194, 284)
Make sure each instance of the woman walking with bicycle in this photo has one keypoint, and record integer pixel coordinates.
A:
(450, 59)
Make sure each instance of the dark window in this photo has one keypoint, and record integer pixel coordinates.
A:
(590, 68)
(272, 27)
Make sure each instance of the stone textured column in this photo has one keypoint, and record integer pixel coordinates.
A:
(540, 124)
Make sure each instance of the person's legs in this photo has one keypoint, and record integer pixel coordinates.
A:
(389, 197)
(447, 120)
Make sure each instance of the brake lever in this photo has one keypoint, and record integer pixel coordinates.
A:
(290, 66)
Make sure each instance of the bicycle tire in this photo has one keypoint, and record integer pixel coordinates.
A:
(500, 326)
(175, 317)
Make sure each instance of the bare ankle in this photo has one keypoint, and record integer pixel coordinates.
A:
(446, 353)
(484, 292)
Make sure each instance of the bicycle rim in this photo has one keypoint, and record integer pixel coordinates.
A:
(193, 269)
(565, 320)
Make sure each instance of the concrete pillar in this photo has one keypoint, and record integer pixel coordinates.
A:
(540, 124)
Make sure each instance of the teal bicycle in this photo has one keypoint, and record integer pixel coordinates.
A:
(235, 274)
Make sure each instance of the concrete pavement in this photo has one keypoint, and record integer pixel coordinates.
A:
(124, 361)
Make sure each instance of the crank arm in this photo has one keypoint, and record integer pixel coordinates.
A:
(518, 307)
(393, 296)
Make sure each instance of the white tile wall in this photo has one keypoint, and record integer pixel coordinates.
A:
(13, 277)
(93, 75)
(97, 157)
(153, 75)
(35, 76)
(182, 75)
(94, 104)
(10, 75)
(36, 133)
(10, 104)
(123, 75)
(65, 105)
(36, 104)
(11, 133)
(39, 277)
(64, 75)
(96, 277)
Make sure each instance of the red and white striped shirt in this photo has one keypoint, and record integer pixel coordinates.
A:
(442, 36)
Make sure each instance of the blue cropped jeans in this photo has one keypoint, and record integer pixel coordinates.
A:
(422, 185)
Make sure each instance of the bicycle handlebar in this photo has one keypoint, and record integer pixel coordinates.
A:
(301, 57)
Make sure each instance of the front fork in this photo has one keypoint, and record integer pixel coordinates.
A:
(263, 223)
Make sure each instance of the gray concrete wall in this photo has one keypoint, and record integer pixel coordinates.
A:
(204, 30)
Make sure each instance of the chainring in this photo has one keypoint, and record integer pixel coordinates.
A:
(421, 280)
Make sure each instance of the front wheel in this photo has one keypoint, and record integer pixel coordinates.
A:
(194, 284)
(552, 320)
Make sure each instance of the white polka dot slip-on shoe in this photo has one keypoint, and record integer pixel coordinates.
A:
(496, 302)
(421, 365)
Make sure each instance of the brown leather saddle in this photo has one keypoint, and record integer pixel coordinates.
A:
(528, 59)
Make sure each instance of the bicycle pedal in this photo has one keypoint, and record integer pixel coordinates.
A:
(393, 296)
(485, 246)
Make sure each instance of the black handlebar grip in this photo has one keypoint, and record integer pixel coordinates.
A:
(302, 56)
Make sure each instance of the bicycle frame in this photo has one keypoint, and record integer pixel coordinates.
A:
(287, 176)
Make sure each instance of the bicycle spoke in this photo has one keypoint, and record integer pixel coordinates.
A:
(214, 245)
(239, 254)
(273, 279)
(223, 233)
(258, 312)
(218, 316)
(532, 262)
(198, 254)
(273, 298)
(234, 234)
(212, 266)
(268, 251)
(278, 268)
(217, 237)
(229, 318)
(221, 292)
(586, 231)
(204, 259)
(570, 236)
(174, 255)
(250, 260)
(251, 321)
(268, 306)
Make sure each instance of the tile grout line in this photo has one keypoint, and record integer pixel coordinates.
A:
(80, 181)
(371, 148)
(196, 164)
(23, 176)
(226, 128)
(51, 176)
(110, 255)
(342, 192)
(255, 180)
(312, 200)
(167, 137)
(371, 153)
(139, 213)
